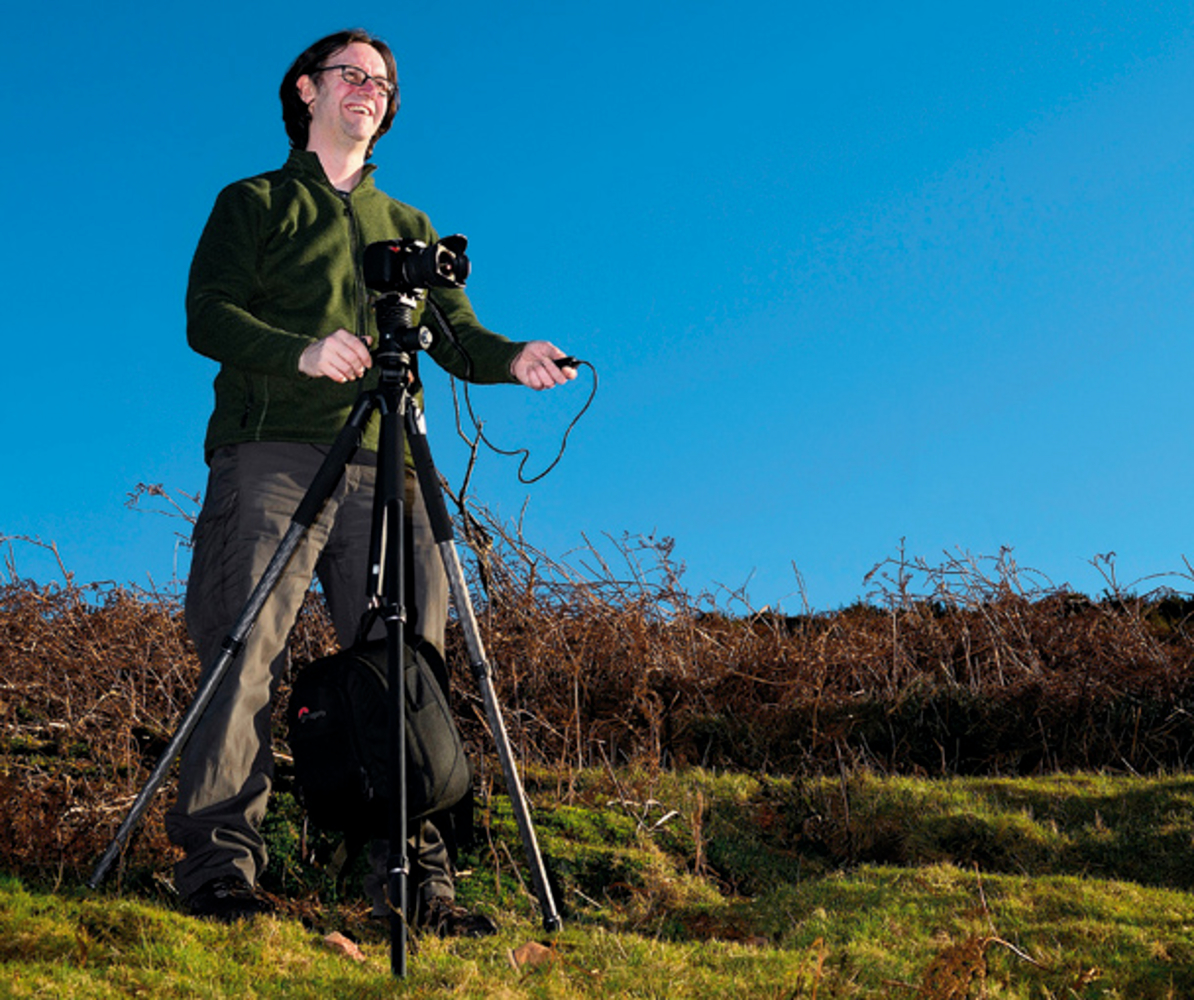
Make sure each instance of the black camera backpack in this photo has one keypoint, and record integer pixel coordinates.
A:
(339, 738)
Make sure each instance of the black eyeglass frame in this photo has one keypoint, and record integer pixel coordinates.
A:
(384, 86)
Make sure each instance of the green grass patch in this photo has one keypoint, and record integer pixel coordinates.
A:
(700, 885)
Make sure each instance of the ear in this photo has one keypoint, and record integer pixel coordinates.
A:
(306, 89)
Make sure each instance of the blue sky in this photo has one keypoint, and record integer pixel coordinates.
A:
(850, 274)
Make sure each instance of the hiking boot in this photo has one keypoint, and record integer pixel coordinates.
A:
(443, 918)
(229, 898)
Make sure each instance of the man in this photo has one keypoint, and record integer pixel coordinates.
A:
(276, 296)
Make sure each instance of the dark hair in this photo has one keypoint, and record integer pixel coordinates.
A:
(297, 116)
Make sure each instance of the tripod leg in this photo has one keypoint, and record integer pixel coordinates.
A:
(387, 592)
(482, 670)
(320, 489)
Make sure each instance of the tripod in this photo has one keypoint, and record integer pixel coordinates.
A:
(401, 423)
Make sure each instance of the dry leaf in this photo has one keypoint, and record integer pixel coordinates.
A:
(338, 942)
(532, 953)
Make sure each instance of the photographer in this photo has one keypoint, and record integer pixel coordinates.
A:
(276, 296)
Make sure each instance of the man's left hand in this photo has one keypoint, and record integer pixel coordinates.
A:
(536, 368)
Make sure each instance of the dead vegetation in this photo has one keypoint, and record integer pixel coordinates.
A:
(968, 666)
(963, 667)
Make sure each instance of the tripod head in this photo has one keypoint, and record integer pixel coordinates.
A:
(399, 335)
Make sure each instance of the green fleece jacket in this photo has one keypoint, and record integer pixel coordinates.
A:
(277, 268)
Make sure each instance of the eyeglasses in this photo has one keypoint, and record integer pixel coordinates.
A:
(357, 77)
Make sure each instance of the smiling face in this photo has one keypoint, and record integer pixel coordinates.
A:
(343, 115)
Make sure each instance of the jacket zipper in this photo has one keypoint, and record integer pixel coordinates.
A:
(357, 264)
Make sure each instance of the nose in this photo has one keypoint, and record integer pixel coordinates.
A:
(372, 85)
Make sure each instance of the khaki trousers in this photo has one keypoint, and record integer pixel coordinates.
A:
(226, 769)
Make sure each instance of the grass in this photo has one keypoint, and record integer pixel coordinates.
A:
(701, 885)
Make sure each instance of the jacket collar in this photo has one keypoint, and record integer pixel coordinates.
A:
(304, 163)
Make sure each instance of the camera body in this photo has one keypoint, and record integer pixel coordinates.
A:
(406, 266)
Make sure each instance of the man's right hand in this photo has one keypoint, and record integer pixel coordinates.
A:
(340, 356)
